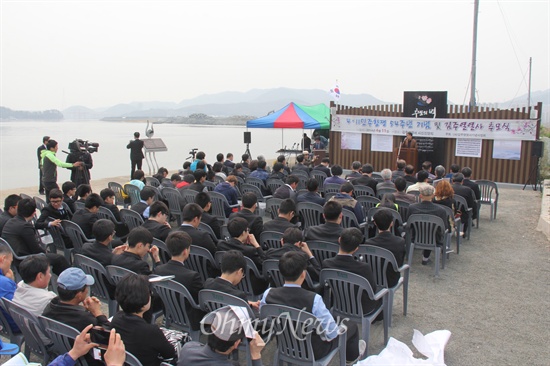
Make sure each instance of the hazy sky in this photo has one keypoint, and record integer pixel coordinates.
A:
(55, 54)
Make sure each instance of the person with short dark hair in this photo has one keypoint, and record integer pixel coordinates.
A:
(409, 142)
(87, 216)
(147, 196)
(324, 166)
(161, 174)
(144, 340)
(331, 229)
(218, 169)
(139, 245)
(286, 212)
(261, 172)
(109, 202)
(410, 177)
(355, 171)
(467, 193)
(427, 167)
(423, 178)
(32, 291)
(192, 214)
(136, 153)
(49, 163)
(7, 283)
(204, 201)
(199, 157)
(73, 306)
(249, 206)
(242, 240)
(401, 185)
(312, 194)
(344, 197)
(336, 171)
(103, 231)
(227, 188)
(233, 268)
(366, 178)
(21, 235)
(349, 243)
(10, 209)
(198, 185)
(238, 171)
(468, 182)
(138, 179)
(245, 160)
(229, 161)
(293, 266)
(288, 190)
(52, 214)
(44, 146)
(83, 191)
(157, 223)
(383, 219)
(277, 171)
(292, 241)
(179, 246)
(300, 164)
(69, 190)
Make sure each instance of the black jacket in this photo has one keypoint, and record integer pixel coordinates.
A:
(85, 219)
(131, 261)
(255, 222)
(74, 315)
(136, 149)
(21, 235)
(199, 238)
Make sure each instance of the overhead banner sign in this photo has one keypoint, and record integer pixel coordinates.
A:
(486, 129)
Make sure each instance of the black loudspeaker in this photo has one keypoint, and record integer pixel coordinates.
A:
(247, 137)
(538, 149)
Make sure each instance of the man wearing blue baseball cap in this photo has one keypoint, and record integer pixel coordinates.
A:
(72, 306)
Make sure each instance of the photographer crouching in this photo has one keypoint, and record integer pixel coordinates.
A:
(81, 150)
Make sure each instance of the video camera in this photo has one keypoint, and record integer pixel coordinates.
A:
(193, 152)
(83, 146)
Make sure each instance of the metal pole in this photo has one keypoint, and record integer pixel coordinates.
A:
(529, 91)
(474, 51)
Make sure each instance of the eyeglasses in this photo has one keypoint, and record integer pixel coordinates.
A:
(56, 201)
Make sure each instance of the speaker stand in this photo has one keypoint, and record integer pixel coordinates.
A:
(534, 172)
(247, 151)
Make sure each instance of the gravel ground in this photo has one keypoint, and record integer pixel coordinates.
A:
(494, 297)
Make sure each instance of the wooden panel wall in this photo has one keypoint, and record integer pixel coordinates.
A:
(497, 170)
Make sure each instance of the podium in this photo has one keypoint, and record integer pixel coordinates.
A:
(410, 155)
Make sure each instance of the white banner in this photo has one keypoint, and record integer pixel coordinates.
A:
(381, 143)
(468, 147)
(486, 129)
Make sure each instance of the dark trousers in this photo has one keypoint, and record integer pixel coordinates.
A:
(40, 183)
(322, 348)
(48, 186)
(135, 163)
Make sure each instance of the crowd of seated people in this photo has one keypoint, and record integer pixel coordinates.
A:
(237, 235)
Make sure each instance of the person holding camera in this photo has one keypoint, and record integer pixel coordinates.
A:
(80, 175)
(50, 162)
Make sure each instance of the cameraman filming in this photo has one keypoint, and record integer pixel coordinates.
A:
(81, 151)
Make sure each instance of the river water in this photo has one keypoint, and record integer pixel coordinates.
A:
(19, 141)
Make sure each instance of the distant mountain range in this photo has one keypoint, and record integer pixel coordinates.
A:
(257, 102)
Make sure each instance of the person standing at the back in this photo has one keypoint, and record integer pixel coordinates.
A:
(45, 140)
(136, 153)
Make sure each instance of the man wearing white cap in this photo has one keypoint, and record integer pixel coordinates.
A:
(72, 306)
(228, 326)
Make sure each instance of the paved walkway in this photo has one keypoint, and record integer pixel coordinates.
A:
(494, 297)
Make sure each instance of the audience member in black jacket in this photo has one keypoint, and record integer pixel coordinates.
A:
(192, 214)
(86, 217)
(69, 190)
(203, 200)
(157, 224)
(139, 245)
(249, 205)
(108, 197)
(247, 244)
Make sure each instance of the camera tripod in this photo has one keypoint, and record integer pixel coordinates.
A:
(247, 151)
(535, 171)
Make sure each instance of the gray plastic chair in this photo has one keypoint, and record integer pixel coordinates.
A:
(397, 228)
(173, 197)
(59, 243)
(75, 233)
(489, 196)
(381, 261)
(209, 185)
(173, 294)
(256, 182)
(403, 208)
(31, 330)
(131, 218)
(132, 360)
(116, 273)
(219, 203)
(188, 194)
(344, 291)
(311, 214)
(293, 329)
(100, 288)
(367, 202)
(62, 336)
(205, 227)
(330, 188)
(350, 220)
(201, 261)
(425, 228)
(322, 250)
(274, 183)
(118, 189)
(5, 329)
(320, 177)
(462, 206)
(40, 203)
(360, 190)
(152, 181)
(382, 191)
(270, 239)
(246, 187)
(164, 253)
(105, 213)
(271, 273)
(300, 173)
(457, 226)
(272, 206)
(133, 192)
